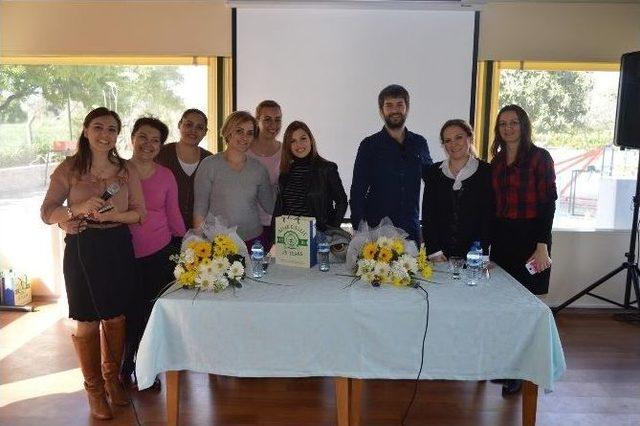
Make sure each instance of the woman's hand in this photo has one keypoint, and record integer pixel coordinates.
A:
(88, 207)
(109, 216)
(541, 257)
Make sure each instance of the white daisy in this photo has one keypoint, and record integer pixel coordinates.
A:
(382, 270)
(206, 281)
(219, 265)
(398, 272)
(220, 283)
(409, 263)
(189, 256)
(236, 270)
(178, 271)
(206, 267)
(368, 277)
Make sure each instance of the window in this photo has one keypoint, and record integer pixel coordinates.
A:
(573, 116)
(42, 105)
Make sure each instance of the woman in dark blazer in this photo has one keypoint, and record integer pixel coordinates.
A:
(457, 206)
(308, 185)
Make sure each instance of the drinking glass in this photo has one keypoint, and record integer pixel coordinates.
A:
(456, 263)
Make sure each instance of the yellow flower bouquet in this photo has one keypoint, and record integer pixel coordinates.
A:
(383, 255)
(211, 259)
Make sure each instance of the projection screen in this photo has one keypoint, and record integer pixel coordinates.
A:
(326, 67)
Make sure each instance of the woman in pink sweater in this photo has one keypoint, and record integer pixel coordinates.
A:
(152, 240)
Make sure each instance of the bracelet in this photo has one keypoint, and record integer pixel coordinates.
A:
(69, 213)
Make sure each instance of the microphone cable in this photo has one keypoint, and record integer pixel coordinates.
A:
(424, 338)
(95, 307)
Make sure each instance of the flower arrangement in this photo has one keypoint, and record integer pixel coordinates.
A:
(385, 261)
(211, 259)
(383, 256)
(209, 265)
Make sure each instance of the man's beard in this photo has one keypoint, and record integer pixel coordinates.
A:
(393, 123)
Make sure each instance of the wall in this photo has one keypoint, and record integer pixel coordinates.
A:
(121, 28)
(565, 32)
(580, 258)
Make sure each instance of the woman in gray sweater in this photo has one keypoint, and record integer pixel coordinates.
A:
(231, 185)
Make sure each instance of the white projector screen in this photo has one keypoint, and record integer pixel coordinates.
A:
(327, 66)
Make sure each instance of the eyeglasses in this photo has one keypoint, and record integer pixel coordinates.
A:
(503, 124)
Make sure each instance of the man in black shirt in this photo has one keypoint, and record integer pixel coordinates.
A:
(388, 168)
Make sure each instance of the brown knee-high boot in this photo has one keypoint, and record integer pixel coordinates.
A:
(88, 350)
(113, 334)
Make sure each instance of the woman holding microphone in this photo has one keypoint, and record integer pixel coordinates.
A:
(98, 258)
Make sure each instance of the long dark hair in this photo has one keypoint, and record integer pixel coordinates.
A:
(498, 146)
(83, 158)
(286, 159)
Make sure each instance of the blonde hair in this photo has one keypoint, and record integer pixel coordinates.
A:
(234, 120)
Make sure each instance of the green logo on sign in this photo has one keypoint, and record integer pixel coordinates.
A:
(291, 240)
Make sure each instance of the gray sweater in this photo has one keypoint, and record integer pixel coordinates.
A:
(233, 196)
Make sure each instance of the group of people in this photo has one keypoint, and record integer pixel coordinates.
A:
(124, 218)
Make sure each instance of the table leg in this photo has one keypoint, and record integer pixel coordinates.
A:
(529, 403)
(355, 394)
(342, 400)
(173, 397)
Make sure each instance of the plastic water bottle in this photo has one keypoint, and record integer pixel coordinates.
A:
(323, 253)
(257, 254)
(474, 264)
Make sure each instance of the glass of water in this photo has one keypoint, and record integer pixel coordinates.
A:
(456, 263)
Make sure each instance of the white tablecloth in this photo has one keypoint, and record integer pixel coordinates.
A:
(314, 324)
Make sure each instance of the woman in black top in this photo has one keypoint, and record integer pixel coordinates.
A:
(308, 185)
(456, 204)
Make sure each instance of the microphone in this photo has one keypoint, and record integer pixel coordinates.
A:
(107, 194)
(110, 191)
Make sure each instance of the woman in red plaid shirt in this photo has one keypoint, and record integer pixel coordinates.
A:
(524, 185)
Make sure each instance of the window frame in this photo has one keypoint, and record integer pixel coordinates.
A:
(219, 88)
(488, 91)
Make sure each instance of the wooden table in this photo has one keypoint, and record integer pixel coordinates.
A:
(263, 331)
(348, 398)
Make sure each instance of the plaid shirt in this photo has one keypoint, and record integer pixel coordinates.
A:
(520, 187)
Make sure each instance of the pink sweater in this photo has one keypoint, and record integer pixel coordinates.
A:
(272, 164)
(163, 219)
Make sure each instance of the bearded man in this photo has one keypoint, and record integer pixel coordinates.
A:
(389, 167)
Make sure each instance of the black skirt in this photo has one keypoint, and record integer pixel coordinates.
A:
(514, 241)
(107, 256)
